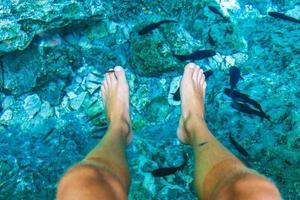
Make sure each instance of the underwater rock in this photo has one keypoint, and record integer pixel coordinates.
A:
(34, 67)
(32, 105)
(97, 31)
(152, 53)
(158, 109)
(46, 110)
(7, 102)
(22, 20)
(93, 82)
(228, 39)
(52, 93)
(77, 101)
(141, 97)
(6, 116)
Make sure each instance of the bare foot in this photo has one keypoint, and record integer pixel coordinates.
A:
(192, 93)
(115, 95)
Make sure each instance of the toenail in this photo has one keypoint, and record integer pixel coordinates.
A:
(191, 66)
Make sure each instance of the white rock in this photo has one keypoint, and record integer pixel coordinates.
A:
(112, 27)
(32, 105)
(76, 102)
(46, 110)
(240, 58)
(230, 60)
(173, 88)
(6, 116)
(71, 95)
(7, 102)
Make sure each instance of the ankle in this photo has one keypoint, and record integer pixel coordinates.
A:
(121, 127)
(196, 129)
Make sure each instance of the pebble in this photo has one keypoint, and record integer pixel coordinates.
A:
(46, 110)
(6, 116)
(76, 102)
(7, 102)
(32, 105)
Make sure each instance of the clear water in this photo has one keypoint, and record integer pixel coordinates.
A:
(52, 57)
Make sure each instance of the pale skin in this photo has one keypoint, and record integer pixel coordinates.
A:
(104, 172)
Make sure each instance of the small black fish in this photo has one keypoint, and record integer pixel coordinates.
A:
(207, 74)
(176, 94)
(95, 82)
(49, 133)
(235, 75)
(238, 146)
(216, 11)
(161, 172)
(283, 16)
(94, 117)
(93, 103)
(100, 129)
(97, 89)
(197, 55)
(153, 26)
(246, 109)
(210, 39)
(238, 96)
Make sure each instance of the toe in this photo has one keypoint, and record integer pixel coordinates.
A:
(195, 73)
(120, 73)
(112, 76)
(189, 69)
(202, 80)
(199, 75)
(107, 79)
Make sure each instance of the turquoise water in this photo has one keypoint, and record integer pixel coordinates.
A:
(52, 57)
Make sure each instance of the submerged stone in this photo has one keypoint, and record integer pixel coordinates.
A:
(77, 101)
(153, 53)
(22, 20)
(32, 105)
(6, 116)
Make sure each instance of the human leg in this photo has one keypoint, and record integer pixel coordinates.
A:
(216, 169)
(104, 171)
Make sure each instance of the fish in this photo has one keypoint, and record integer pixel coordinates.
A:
(165, 171)
(176, 94)
(93, 103)
(235, 75)
(246, 109)
(95, 82)
(153, 26)
(238, 96)
(208, 73)
(94, 117)
(100, 129)
(283, 16)
(48, 133)
(238, 146)
(97, 89)
(196, 55)
(216, 11)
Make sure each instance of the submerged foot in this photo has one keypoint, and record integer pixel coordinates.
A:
(115, 95)
(192, 92)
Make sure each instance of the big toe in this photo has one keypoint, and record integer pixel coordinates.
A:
(188, 70)
(120, 73)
